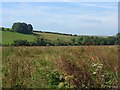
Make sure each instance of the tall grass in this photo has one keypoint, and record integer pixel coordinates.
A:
(60, 67)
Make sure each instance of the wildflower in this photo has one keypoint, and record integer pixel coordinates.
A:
(61, 77)
(61, 85)
(99, 67)
(94, 73)
(94, 65)
(102, 76)
(67, 78)
(100, 64)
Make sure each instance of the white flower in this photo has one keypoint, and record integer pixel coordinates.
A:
(99, 67)
(103, 76)
(100, 64)
(94, 65)
(94, 73)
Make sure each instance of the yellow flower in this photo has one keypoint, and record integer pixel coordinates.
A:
(67, 78)
(61, 85)
(60, 77)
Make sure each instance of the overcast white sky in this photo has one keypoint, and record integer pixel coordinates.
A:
(89, 18)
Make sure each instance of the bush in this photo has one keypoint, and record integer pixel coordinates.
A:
(21, 43)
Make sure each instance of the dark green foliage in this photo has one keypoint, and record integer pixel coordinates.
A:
(81, 40)
(22, 28)
(41, 42)
(117, 39)
(53, 79)
(30, 28)
(21, 43)
(2, 28)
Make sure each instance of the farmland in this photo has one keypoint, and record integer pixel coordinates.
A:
(9, 37)
(60, 67)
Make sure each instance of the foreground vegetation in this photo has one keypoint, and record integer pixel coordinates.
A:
(60, 67)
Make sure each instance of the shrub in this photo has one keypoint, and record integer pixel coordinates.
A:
(21, 43)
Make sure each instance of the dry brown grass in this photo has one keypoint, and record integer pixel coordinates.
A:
(28, 66)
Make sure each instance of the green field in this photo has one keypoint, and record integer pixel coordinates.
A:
(8, 37)
(60, 67)
(54, 37)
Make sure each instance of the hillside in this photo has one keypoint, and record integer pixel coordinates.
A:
(8, 37)
(40, 38)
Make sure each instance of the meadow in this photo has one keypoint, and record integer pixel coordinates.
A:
(8, 37)
(60, 67)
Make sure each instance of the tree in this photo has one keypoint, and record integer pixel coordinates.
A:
(30, 28)
(2, 28)
(22, 28)
(16, 27)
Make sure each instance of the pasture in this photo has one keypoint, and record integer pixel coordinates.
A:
(8, 37)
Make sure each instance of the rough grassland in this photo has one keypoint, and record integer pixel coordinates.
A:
(43, 67)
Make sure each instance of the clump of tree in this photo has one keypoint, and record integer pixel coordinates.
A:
(22, 28)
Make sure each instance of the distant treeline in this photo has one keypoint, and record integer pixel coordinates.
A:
(56, 33)
(81, 40)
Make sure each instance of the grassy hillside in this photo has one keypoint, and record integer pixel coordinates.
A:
(59, 67)
(8, 37)
(54, 37)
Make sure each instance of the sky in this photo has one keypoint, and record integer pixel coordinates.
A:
(60, 0)
(83, 18)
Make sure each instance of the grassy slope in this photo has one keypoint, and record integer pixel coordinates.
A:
(54, 37)
(37, 63)
(9, 37)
